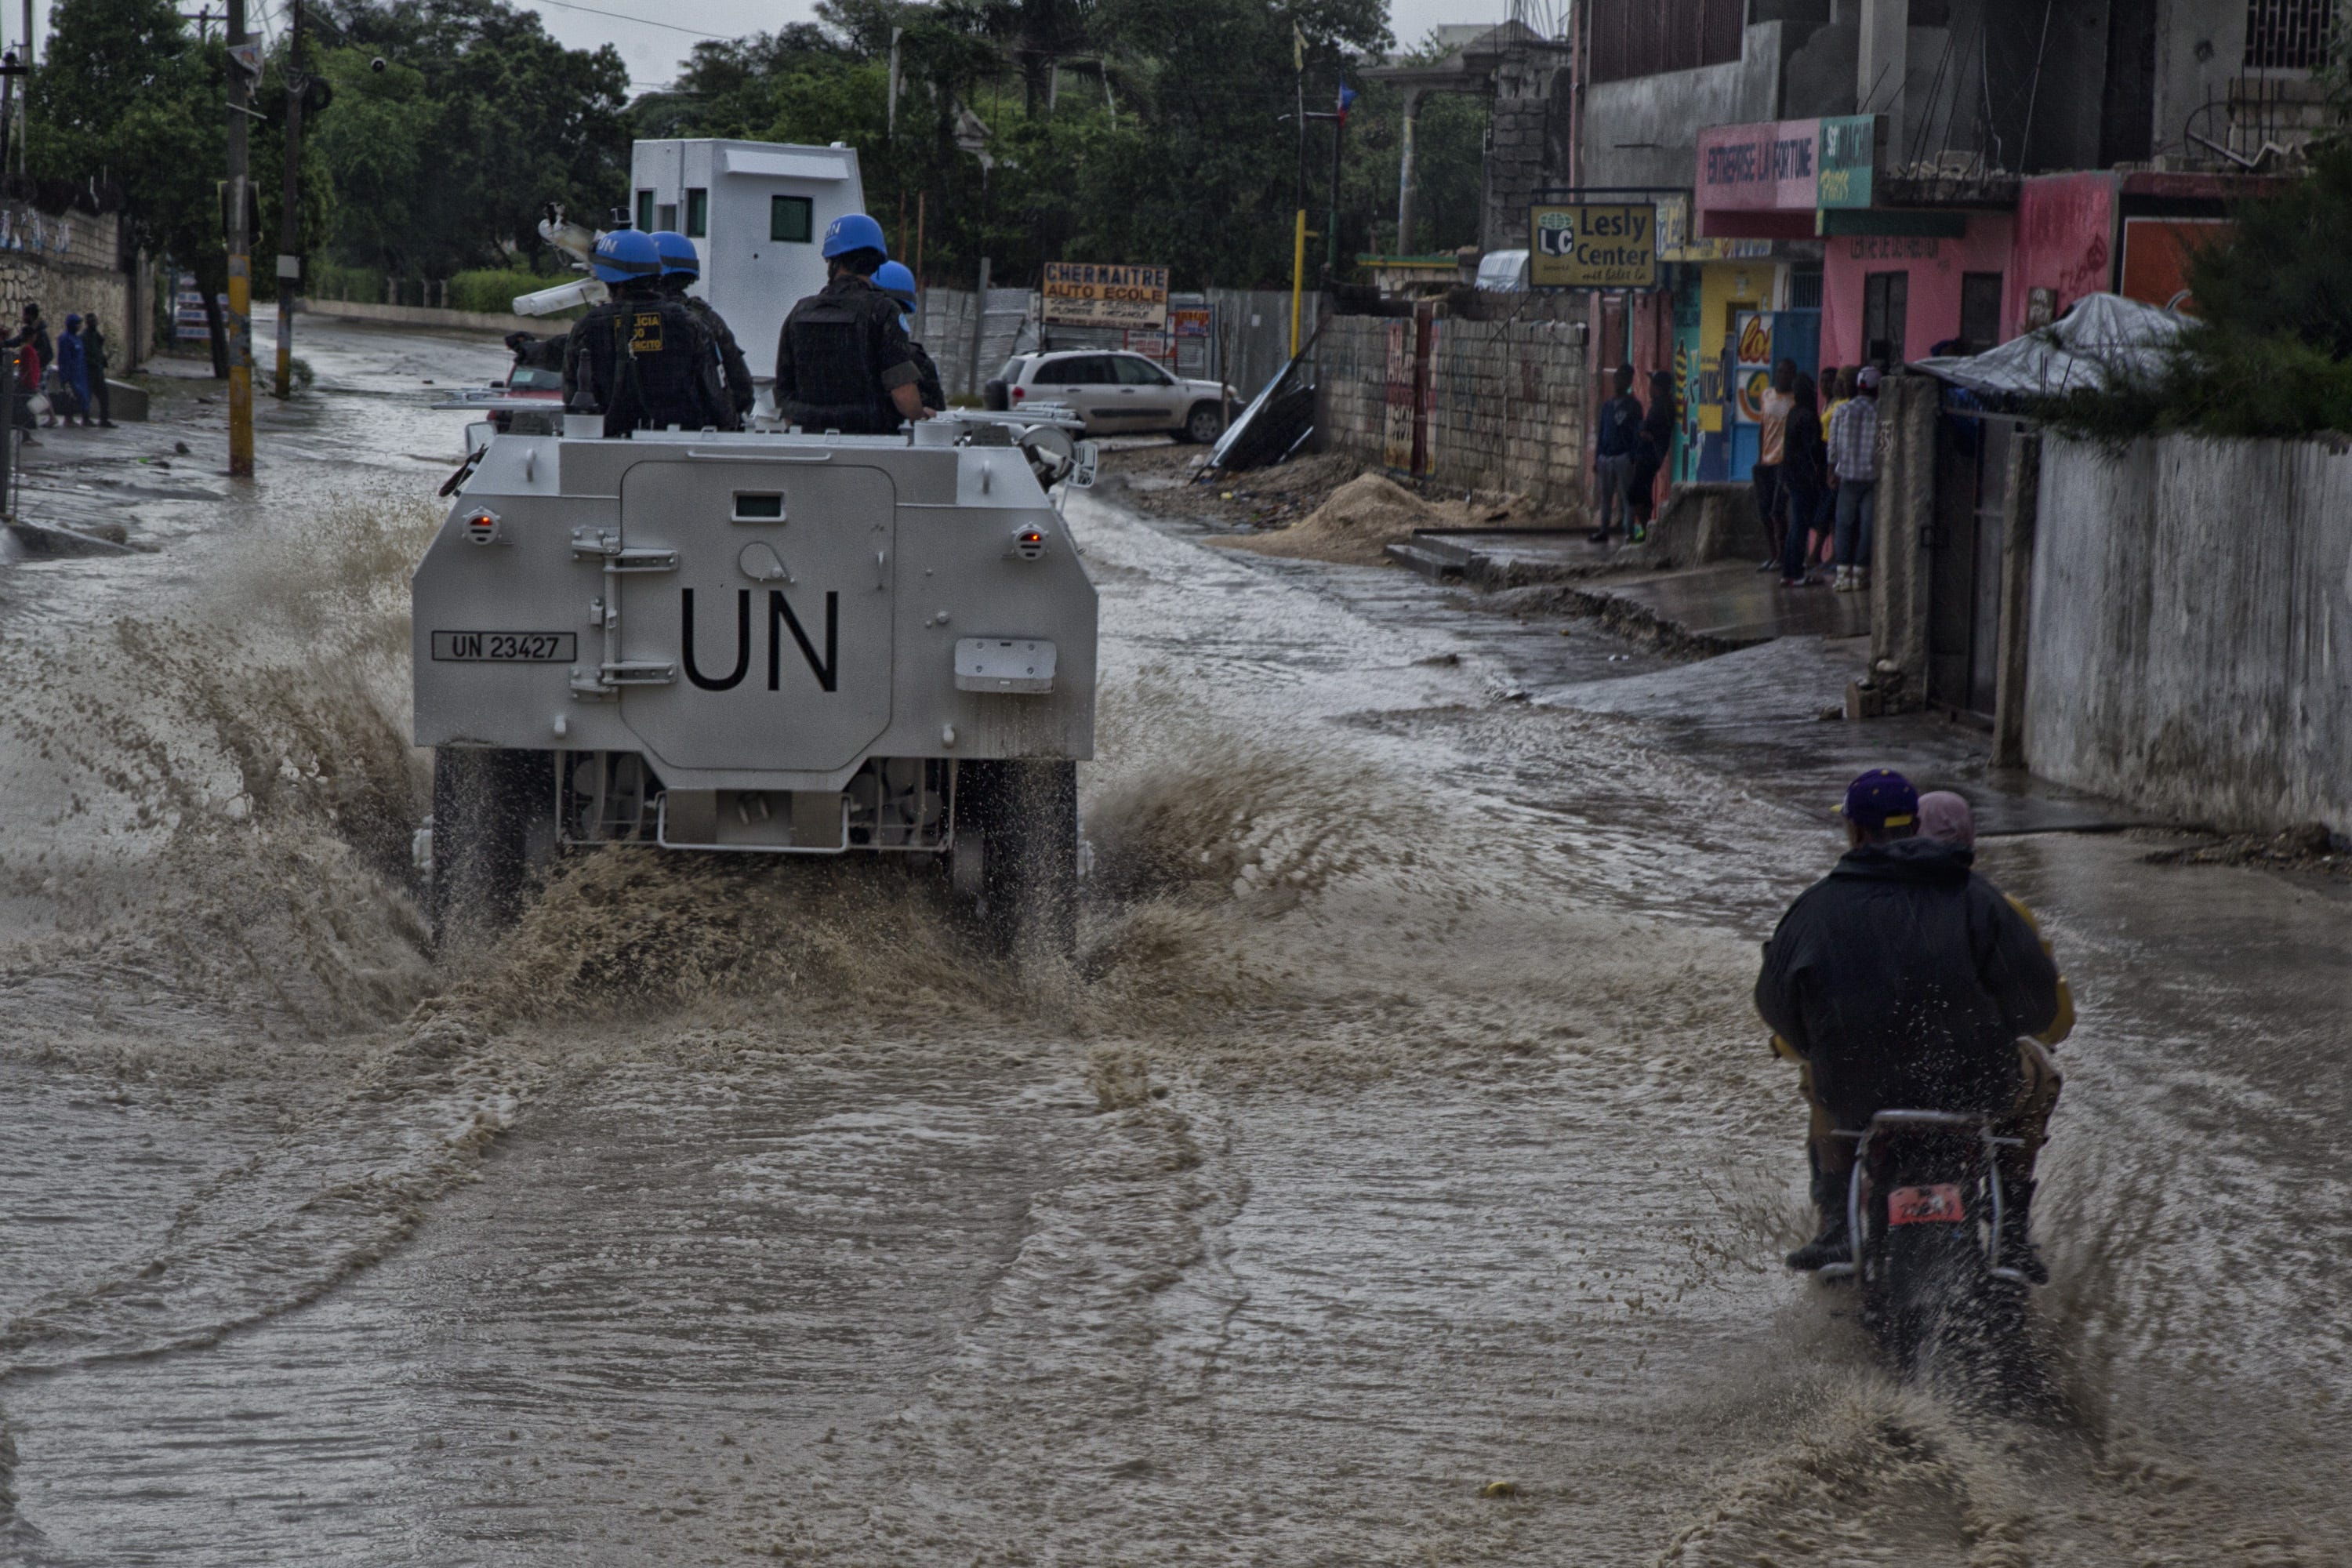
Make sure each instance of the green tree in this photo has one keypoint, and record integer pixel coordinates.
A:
(128, 94)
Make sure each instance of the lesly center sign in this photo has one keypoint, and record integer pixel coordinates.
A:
(1591, 245)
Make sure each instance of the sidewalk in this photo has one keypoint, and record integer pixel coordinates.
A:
(1713, 608)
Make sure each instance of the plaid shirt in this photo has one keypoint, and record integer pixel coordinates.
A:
(1853, 440)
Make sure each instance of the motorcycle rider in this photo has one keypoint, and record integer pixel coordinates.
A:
(682, 266)
(640, 360)
(841, 359)
(1905, 979)
(897, 280)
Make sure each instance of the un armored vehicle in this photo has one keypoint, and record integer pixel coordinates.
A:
(763, 643)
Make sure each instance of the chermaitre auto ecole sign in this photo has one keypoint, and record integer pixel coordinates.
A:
(1593, 245)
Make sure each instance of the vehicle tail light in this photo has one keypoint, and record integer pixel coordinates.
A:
(1029, 543)
(482, 527)
(1019, 392)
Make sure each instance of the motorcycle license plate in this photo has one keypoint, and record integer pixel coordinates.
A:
(1938, 1204)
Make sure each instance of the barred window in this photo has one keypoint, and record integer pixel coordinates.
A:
(2288, 34)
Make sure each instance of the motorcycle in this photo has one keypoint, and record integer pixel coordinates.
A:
(1924, 1207)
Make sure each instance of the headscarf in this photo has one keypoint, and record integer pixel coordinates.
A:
(1944, 816)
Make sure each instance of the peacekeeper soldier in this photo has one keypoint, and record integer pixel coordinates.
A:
(642, 361)
(682, 267)
(842, 360)
(896, 279)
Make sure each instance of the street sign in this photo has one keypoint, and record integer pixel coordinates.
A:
(1592, 245)
(1077, 294)
(1849, 156)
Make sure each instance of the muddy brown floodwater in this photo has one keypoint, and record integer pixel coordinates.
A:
(1403, 1129)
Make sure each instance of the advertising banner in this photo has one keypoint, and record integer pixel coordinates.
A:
(1080, 294)
(1751, 371)
(1771, 167)
(1592, 245)
(1848, 158)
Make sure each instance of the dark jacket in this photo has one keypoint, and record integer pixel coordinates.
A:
(1906, 979)
(838, 355)
(644, 362)
(1620, 424)
(1655, 441)
(1804, 460)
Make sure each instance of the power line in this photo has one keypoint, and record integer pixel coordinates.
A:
(625, 16)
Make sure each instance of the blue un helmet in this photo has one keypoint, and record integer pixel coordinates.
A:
(677, 254)
(897, 280)
(625, 256)
(853, 231)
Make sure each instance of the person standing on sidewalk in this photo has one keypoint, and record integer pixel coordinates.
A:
(1614, 437)
(1771, 441)
(1651, 447)
(1804, 471)
(1853, 469)
(93, 353)
(73, 372)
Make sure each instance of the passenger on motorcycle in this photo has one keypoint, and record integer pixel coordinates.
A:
(1904, 979)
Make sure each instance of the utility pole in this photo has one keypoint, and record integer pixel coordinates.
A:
(1298, 226)
(290, 209)
(242, 57)
(1339, 142)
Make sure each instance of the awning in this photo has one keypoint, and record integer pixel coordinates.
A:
(2101, 335)
(814, 165)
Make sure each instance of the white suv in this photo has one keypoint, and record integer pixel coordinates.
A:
(1113, 391)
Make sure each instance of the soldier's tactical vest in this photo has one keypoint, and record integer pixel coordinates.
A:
(662, 342)
(838, 385)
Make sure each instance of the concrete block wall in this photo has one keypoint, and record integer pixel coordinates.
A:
(2190, 640)
(71, 264)
(1506, 405)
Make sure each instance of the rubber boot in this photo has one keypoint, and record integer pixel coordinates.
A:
(2017, 1249)
(1832, 1245)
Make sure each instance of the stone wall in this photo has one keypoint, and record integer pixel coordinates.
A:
(2191, 642)
(1505, 408)
(70, 264)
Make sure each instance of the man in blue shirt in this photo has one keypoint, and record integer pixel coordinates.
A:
(1615, 437)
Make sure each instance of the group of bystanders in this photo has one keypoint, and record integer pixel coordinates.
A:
(1630, 446)
(1816, 476)
(70, 369)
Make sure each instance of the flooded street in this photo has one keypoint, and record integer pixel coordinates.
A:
(1404, 1127)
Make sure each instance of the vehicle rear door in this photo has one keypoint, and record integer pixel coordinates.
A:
(1085, 383)
(773, 617)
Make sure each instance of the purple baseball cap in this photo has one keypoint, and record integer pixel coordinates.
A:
(1881, 798)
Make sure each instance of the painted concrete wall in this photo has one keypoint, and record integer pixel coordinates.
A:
(2190, 646)
(2065, 231)
(2200, 45)
(1935, 266)
(1645, 131)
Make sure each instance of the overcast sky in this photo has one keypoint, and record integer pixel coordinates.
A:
(653, 50)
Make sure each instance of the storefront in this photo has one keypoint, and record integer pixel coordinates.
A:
(1889, 299)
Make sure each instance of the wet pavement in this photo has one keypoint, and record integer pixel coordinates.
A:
(1404, 1129)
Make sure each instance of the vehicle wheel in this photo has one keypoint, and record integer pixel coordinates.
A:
(1025, 887)
(493, 820)
(1204, 424)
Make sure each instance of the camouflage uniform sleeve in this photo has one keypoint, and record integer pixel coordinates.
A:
(894, 356)
(935, 396)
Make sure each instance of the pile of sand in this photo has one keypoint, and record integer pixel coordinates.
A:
(1369, 512)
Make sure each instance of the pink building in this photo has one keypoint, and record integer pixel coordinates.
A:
(1890, 298)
